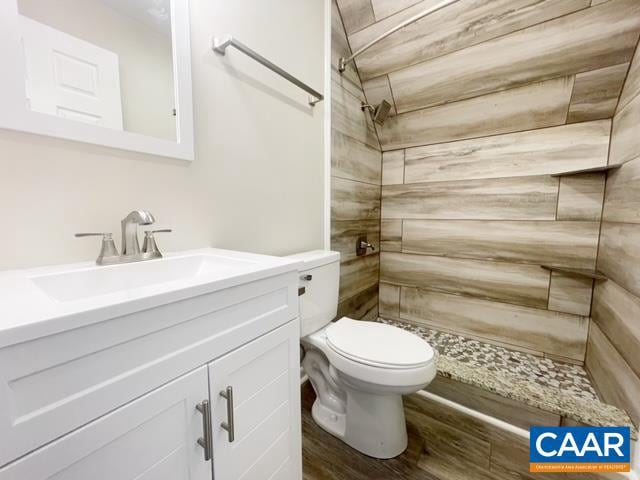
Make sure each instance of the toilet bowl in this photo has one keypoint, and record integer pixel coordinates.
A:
(359, 370)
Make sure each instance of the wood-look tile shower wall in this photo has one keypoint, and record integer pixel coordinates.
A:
(356, 168)
(490, 99)
(613, 352)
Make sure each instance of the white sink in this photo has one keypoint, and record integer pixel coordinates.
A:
(47, 300)
(95, 281)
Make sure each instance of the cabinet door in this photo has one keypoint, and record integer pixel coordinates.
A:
(153, 437)
(263, 380)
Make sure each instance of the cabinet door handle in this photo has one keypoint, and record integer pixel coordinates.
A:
(229, 425)
(205, 442)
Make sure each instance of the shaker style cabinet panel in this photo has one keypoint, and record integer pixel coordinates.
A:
(255, 397)
(153, 437)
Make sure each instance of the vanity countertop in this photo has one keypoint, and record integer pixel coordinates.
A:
(48, 300)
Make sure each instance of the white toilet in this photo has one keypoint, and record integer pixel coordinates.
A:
(359, 370)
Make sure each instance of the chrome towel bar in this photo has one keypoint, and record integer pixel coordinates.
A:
(220, 46)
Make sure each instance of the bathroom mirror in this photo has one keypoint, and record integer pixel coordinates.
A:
(108, 72)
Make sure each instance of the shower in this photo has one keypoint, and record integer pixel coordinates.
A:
(379, 112)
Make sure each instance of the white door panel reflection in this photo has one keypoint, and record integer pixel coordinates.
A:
(104, 62)
(69, 77)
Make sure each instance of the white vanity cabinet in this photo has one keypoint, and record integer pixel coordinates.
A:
(156, 436)
(114, 393)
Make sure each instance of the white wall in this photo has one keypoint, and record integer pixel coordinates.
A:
(144, 54)
(256, 183)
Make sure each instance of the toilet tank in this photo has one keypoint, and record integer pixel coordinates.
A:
(320, 277)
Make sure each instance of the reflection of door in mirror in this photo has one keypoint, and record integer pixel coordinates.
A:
(106, 62)
(84, 84)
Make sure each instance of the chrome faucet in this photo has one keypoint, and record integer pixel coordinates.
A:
(130, 245)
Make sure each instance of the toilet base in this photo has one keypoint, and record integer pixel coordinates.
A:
(373, 424)
(330, 421)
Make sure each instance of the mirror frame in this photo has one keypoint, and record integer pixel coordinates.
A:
(14, 114)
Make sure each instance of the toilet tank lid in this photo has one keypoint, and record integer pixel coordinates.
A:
(316, 258)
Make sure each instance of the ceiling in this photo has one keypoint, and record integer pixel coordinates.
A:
(154, 13)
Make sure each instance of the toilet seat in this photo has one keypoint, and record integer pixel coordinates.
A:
(382, 371)
(378, 344)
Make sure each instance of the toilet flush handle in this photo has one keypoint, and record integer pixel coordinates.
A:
(306, 278)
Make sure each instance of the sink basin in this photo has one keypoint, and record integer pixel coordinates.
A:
(46, 300)
(81, 284)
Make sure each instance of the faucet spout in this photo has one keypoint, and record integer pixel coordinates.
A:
(130, 244)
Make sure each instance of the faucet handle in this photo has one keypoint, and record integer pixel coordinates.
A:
(362, 245)
(79, 235)
(149, 245)
(108, 248)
